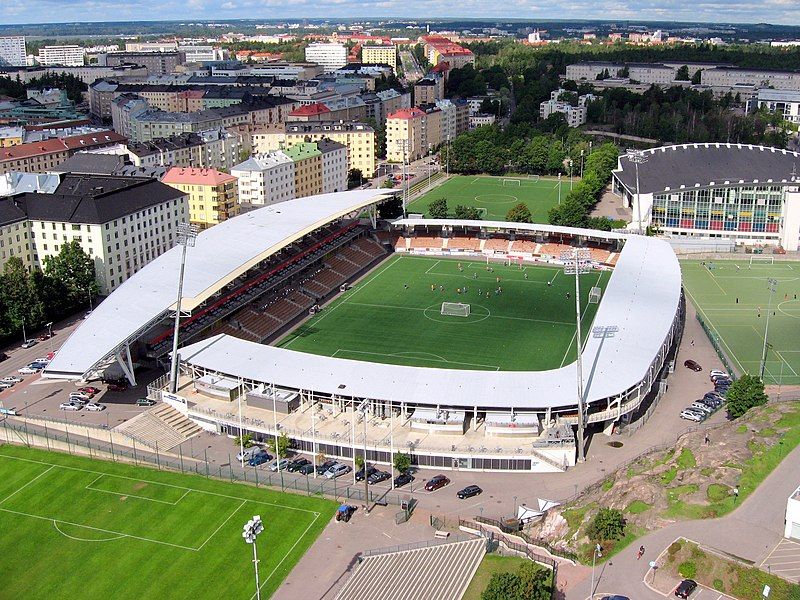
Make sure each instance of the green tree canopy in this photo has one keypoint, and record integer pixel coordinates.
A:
(682, 74)
(519, 213)
(607, 524)
(745, 393)
(467, 212)
(438, 209)
(282, 448)
(402, 462)
(75, 269)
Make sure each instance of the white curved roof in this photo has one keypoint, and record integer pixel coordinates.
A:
(641, 301)
(220, 254)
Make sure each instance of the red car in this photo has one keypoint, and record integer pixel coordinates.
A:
(693, 365)
(89, 390)
(434, 483)
(117, 387)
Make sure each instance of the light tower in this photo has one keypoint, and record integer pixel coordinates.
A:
(637, 157)
(187, 234)
(250, 532)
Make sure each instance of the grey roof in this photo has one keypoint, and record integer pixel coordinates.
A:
(87, 162)
(671, 168)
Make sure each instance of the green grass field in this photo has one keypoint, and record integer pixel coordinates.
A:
(733, 301)
(493, 197)
(74, 527)
(529, 326)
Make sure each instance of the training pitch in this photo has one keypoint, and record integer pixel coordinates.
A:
(80, 528)
(733, 298)
(495, 195)
(393, 316)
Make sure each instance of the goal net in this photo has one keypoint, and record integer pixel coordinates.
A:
(455, 309)
(533, 177)
(594, 295)
(512, 182)
(762, 260)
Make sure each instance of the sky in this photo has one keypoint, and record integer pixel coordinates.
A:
(719, 11)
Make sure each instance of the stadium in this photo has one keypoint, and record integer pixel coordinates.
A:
(453, 341)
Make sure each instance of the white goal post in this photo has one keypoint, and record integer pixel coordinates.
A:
(515, 182)
(533, 177)
(455, 309)
(756, 259)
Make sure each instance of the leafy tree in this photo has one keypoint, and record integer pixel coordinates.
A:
(519, 213)
(354, 178)
(438, 209)
(380, 136)
(283, 443)
(402, 462)
(246, 441)
(607, 524)
(22, 306)
(467, 212)
(682, 74)
(75, 269)
(359, 460)
(744, 394)
(503, 586)
(387, 183)
(535, 582)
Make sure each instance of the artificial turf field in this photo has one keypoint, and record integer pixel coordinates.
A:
(530, 326)
(714, 292)
(73, 527)
(494, 197)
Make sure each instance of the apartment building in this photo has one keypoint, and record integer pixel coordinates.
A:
(213, 195)
(575, 115)
(267, 178)
(330, 56)
(441, 49)
(156, 63)
(307, 168)
(44, 155)
(12, 51)
(404, 135)
(333, 166)
(125, 107)
(211, 149)
(68, 56)
(358, 138)
(122, 223)
(783, 102)
(428, 90)
(731, 77)
(380, 55)
(455, 118)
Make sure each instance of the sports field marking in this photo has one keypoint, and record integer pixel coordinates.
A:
(91, 487)
(496, 198)
(710, 323)
(583, 316)
(45, 472)
(221, 525)
(432, 266)
(411, 355)
(77, 539)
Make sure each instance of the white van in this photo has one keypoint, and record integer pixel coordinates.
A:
(336, 470)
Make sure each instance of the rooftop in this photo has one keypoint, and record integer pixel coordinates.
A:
(60, 145)
(406, 113)
(189, 175)
(310, 110)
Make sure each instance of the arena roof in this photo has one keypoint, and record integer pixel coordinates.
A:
(220, 254)
(532, 227)
(686, 166)
(641, 302)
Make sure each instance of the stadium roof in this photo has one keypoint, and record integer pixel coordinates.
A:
(221, 253)
(532, 227)
(687, 166)
(641, 301)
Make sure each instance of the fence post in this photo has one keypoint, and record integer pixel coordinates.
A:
(158, 458)
(220, 471)
(46, 437)
(135, 458)
(111, 441)
(88, 443)
(256, 470)
(205, 455)
(308, 487)
(230, 471)
(180, 454)
(27, 439)
(66, 430)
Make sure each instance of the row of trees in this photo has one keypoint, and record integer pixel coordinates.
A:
(30, 299)
(74, 87)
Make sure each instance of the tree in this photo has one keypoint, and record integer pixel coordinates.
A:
(359, 460)
(402, 462)
(503, 586)
(246, 441)
(438, 209)
(697, 77)
(283, 445)
(682, 74)
(744, 394)
(354, 178)
(469, 213)
(535, 582)
(75, 269)
(519, 213)
(608, 524)
(22, 305)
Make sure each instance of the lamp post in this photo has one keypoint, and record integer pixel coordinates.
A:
(24, 335)
(581, 164)
(576, 262)
(187, 234)
(559, 189)
(447, 172)
(598, 553)
(363, 410)
(772, 284)
(637, 157)
(250, 532)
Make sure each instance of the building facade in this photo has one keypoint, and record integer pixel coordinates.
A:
(12, 51)
(330, 56)
(333, 166)
(156, 63)
(68, 56)
(265, 179)
(45, 155)
(575, 115)
(380, 55)
(213, 195)
(783, 102)
(307, 168)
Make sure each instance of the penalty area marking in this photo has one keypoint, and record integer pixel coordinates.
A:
(77, 539)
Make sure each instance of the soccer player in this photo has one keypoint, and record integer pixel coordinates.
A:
(433, 287)
(525, 275)
(474, 275)
(567, 295)
(405, 286)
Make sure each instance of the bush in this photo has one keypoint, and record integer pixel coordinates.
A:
(402, 462)
(246, 441)
(687, 569)
(674, 548)
(717, 492)
(607, 524)
(719, 585)
(744, 394)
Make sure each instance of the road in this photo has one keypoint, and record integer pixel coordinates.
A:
(411, 68)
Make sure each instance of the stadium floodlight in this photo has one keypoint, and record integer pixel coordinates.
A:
(604, 331)
(637, 157)
(363, 408)
(250, 532)
(577, 262)
(772, 285)
(187, 233)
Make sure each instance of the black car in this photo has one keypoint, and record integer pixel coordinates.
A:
(325, 466)
(378, 476)
(296, 464)
(360, 472)
(686, 587)
(403, 479)
(469, 492)
(712, 404)
(692, 365)
(306, 469)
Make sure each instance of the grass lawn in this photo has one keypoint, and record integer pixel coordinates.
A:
(74, 527)
(732, 297)
(529, 326)
(495, 195)
(491, 564)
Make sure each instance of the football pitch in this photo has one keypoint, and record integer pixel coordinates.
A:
(74, 527)
(393, 315)
(733, 296)
(495, 195)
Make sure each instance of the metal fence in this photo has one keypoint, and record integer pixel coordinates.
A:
(33, 435)
(717, 343)
(516, 531)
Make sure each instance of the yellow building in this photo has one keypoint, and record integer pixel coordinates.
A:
(411, 133)
(380, 55)
(213, 195)
(11, 136)
(307, 169)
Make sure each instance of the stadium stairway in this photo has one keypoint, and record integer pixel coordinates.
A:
(161, 427)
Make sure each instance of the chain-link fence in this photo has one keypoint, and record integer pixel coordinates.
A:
(717, 343)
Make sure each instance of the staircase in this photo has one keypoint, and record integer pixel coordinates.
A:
(161, 427)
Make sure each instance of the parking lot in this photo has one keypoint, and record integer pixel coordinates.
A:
(784, 560)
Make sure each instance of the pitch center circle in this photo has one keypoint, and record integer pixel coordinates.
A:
(495, 198)
(434, 311)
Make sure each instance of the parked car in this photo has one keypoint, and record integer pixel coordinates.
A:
(469, 492)
(701, 407)
(403, 479)
(306, 469)
(11, 379)
(117, 387)
(378, 476)
(83, 395)
(694, 366)
(690, 415)
(436, 482)
(3, 356)
(336, 470)
(685, 588)
(712, 404)
(95, 407)
(29, 343)
(70, 406)
(249, 453)
(5, 386)
(279, 465)
(714, 396)
(27, 370)
(78, 399)
(258, 459)
(145, 402)
(360, 472)
(325, 466)
(615, 597)
(89, 390)
(717, 372)
(344, 512)
(296, 464)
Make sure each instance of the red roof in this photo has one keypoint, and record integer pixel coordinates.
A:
(406, 113)
(445, 46)
(196, 176)
(442, 67)
(310, 110)
(75, 142)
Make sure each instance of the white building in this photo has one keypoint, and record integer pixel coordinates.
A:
(334, 166)
(481, 119)
(784, 102)
(201, 53)
(151, 46)
(12, 51)
(575, 115)
(329, 56)
(68, 56)
(449, 119)
(792, 522)
(266, 179)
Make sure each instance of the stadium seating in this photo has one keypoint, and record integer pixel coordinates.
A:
(523, 245)
(553, 250)
(464, 243)
(426, 242)
(161, 427)
(496, 245)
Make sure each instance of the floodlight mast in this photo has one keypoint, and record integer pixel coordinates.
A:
(187, 233)
(637, 157)
(250, 532)
(772, 285)
(576, 262)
